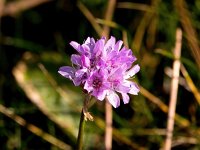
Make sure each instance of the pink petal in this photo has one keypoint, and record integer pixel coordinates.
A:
(87, 86)
(85, 48)
(135, 69)
(74, 44)
(67, 72)
(87, 41)
(118, 45)
(125, 98)
(100, 95)
(77, 47)
(113, 98)
(90, 42)
(123, 88)
(110, 44)
(76, 59)
(98, 47)
(80, 72)
(85, 61)
(134, 89)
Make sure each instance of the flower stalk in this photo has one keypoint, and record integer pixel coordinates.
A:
(81, 132)
(85, 115)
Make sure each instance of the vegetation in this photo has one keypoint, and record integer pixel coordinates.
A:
(37, 105)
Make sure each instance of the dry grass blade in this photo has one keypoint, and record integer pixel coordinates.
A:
(108, 16)
(136, 6)
(57, 88)
(13, 8)
(191, 84)
(154, 99)
(116, 26)
(184, 140)
(118, 136)
(35, 130)
(2, 4)
(137, 40)
(182, 122)
(125, 38)
(174, 91)
(109, 23)
(150, 132)
(191, 34)
(35, 96)
(90, 18)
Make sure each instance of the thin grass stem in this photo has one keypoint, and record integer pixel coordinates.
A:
(174, 91)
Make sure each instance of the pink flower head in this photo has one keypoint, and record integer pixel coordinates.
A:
(103, 69)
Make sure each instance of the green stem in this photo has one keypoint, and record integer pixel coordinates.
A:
(80, 132)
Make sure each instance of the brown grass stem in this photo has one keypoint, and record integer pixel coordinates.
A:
(140, 31)
(191, 33)
(182, 122)
(108, 131)
(90, 17)
(15, 7)
(108, 16)
(2, 5)
(174, 91)
(135, 6)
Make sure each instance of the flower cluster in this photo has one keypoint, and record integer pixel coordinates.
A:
(103, 69)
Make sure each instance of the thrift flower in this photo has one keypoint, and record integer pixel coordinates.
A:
(103, 68)
(97, 84)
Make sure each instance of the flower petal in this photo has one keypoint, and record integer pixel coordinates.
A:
(75, 45)
(110, 44)
(118, 45)
(99, 94)
(135, 69)
(122, 88)
(81, 76)
(125, 98)
(98, 47)
(87, 86)
(85, 61)
(134, 88)
(113, 98)
(90, 42)
(76, 59)
(67, 72)
(87, 41)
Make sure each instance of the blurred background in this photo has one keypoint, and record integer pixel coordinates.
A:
(39, 109)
